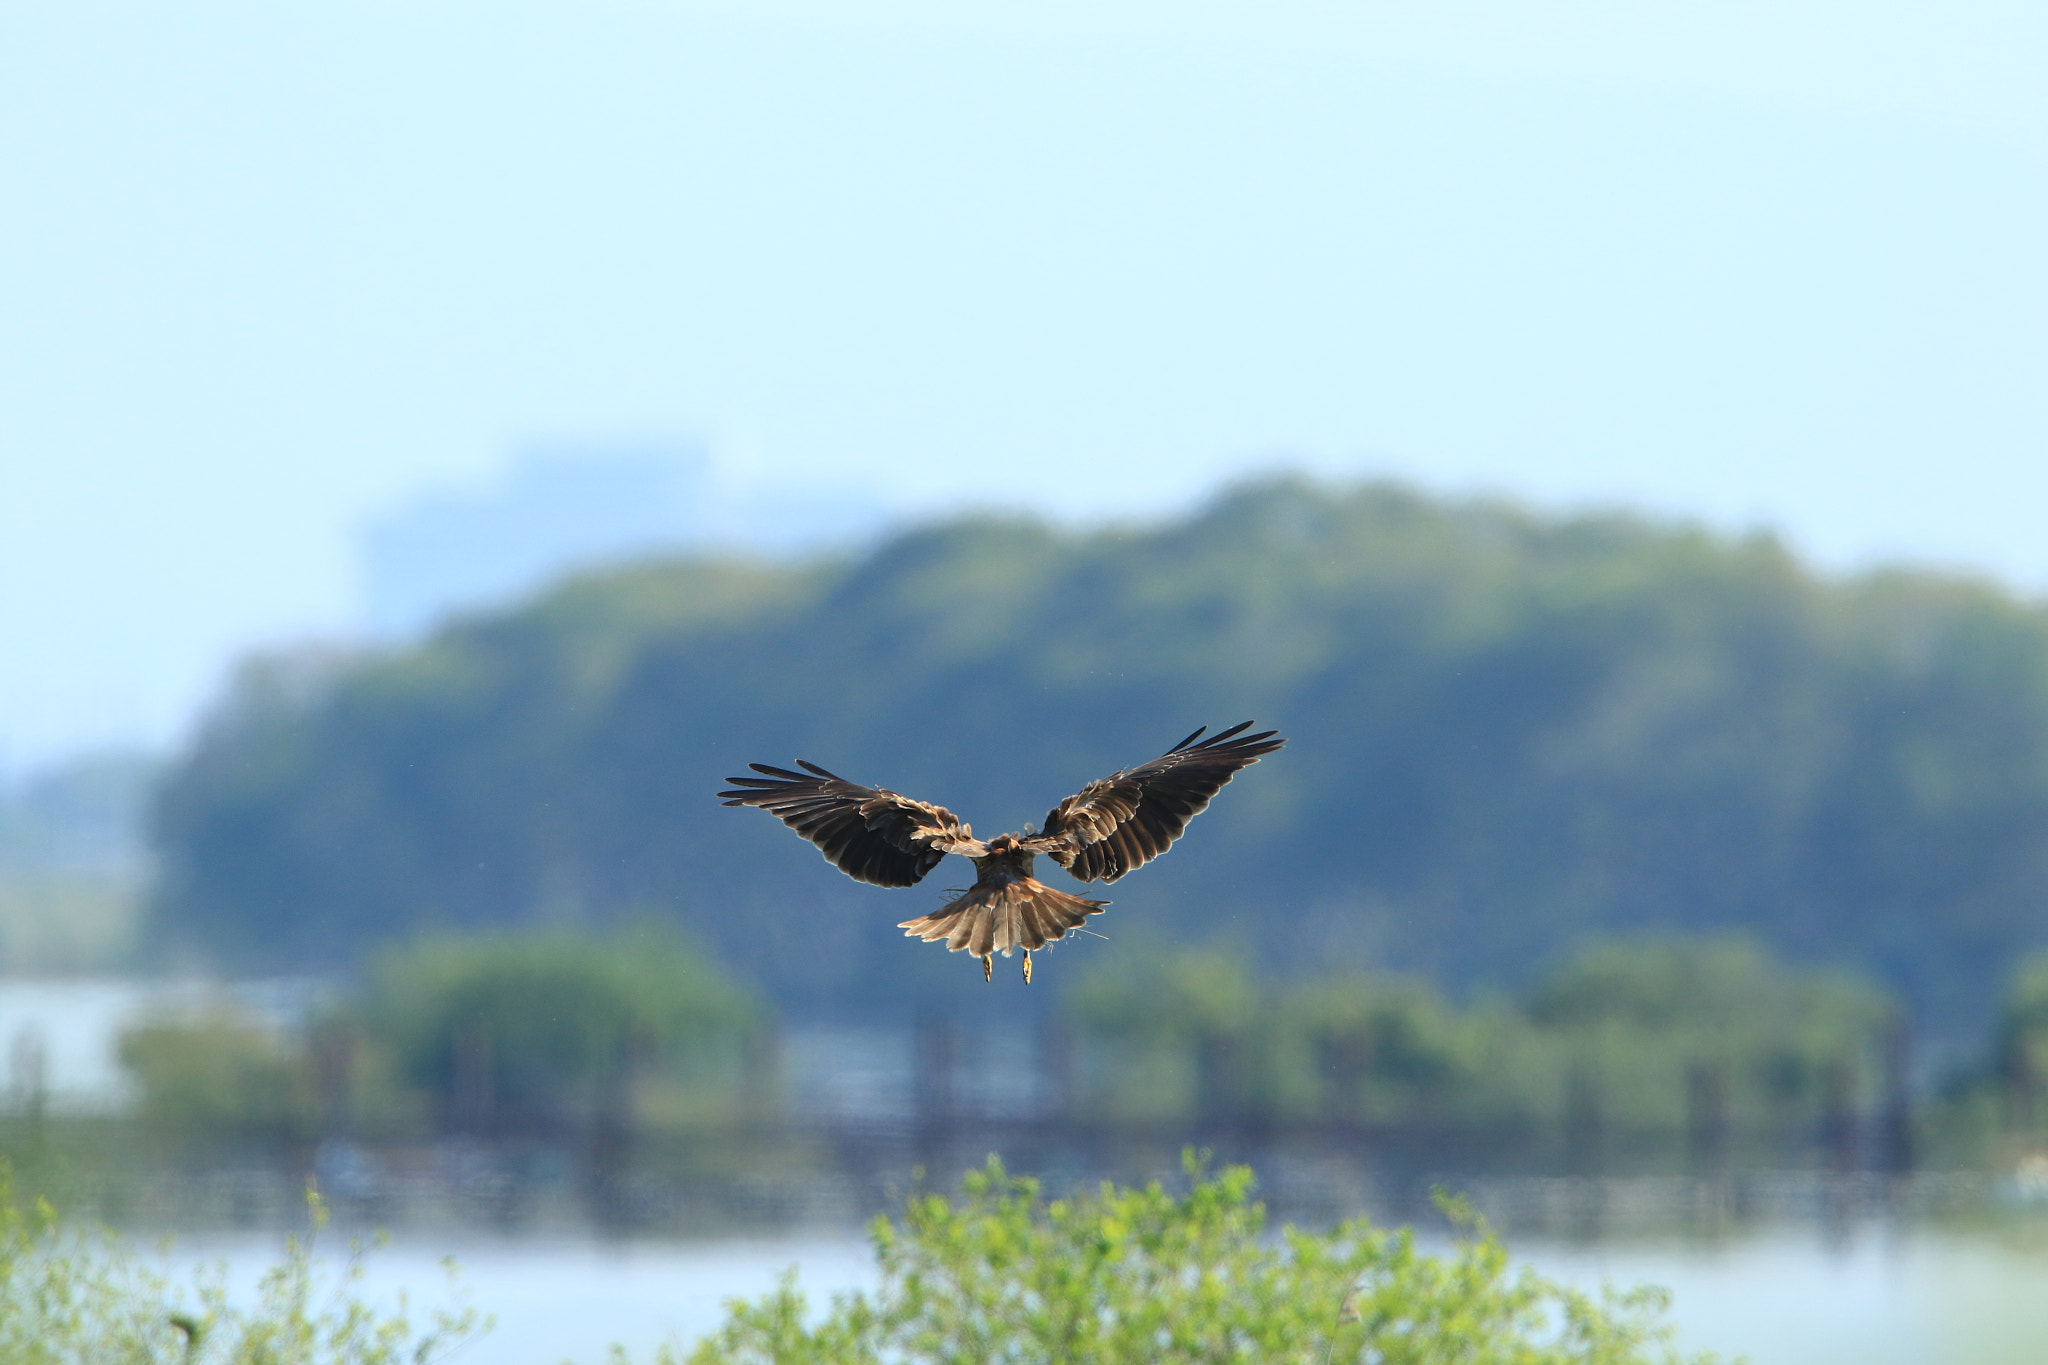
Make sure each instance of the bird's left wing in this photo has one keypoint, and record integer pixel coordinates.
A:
(1129, 818)
(869, 833)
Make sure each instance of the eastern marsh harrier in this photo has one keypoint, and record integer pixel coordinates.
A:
(1108, 828)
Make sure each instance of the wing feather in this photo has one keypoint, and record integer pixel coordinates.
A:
(871, 834)
(1129, 818)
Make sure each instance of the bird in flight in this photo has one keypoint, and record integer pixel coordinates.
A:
(1106, 829)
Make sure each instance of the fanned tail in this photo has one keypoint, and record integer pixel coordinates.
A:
(1023, 914)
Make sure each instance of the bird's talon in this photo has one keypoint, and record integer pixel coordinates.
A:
(1027, 966)
(988, 967)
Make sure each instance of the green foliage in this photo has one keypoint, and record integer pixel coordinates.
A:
(218, 1073)
(1632, 1025)
(1125, 1276)
(558, 1024)
(494, 1033)
(71, 1296)
(1157, 1016)
(2020, 1056)
(1510, 731)
(1149, 995)
(2026, 1002)
(1993, 1109)
(1386, 1048)
(1632, 1013)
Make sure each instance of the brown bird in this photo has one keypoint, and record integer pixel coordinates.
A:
(1106, 829)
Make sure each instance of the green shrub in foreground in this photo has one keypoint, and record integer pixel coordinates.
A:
(75, 1297)
(1137, 1277)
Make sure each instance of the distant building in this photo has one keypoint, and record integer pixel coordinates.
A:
(553, 512)
(72, 867)
(549, 513)
(83, 816)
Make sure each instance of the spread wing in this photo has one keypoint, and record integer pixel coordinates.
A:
(1126, 820)
(869, 833)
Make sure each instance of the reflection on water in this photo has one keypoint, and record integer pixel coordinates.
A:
(1785, 1297)
(1791, 1267)
(570, 1300)
(1900, 1298)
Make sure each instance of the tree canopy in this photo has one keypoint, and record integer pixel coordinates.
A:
(1512, 731)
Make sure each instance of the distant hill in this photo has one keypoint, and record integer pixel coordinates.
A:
(1511, 731)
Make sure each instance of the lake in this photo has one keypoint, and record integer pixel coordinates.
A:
(1795, 1290)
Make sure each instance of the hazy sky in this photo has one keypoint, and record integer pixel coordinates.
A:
(268, 268)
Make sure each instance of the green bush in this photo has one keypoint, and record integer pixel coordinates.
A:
(217, 1073)
(2021, 1056)
(1995, 1111)
(552, 1027)
(500, 1033)
(1144, 1277)
(1387, 1048)
(70, 1296)
(1160, 1019)
(1634, 1029)
(1635, 1016)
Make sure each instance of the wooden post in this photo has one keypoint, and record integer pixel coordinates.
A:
(472, 1097)
(2020, 1080)
(1706, 1094)
(1219, 1082)
(934, 1086)
(761, 1087)
(1584, 1124)
(1838, 1116)
(29, 1067)
(611, 1129)
(334, 1064)
(1057, 1102)
(1346, 1057)
(1895, 1144)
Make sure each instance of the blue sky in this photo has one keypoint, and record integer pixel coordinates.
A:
(268, 269)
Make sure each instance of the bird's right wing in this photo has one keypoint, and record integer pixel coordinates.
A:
(869, 833)
(1125, 820)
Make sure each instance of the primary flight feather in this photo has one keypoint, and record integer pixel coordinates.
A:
(1108, 828)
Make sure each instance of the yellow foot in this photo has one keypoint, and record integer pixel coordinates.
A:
(988, 967)
(1027, 966)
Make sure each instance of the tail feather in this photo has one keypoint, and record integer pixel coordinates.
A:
(1041, 923)
(1024, 914)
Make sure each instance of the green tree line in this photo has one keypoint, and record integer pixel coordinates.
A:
(1633, 1054)
(1512, 732)
(544, 1035)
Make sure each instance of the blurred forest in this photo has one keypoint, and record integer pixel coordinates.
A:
(1512, 733)
(537, 1035)
(634, 1049)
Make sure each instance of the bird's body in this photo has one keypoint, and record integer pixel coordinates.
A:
(1006, 908)
(1107, 829)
